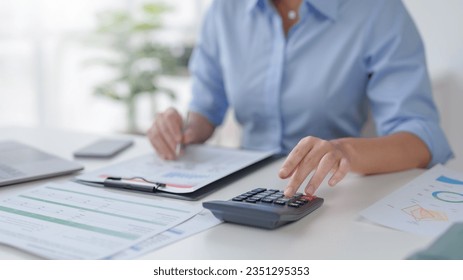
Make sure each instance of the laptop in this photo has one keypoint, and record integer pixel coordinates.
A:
(21, 163)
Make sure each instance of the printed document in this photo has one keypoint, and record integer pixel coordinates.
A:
(199, 166)
(428, 205)
(73, 221)
(198, 223)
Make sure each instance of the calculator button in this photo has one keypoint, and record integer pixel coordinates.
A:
(280, 202)
(297, 195)
(293, 204)
(241, 197)
(309, 197)
(258, 190)
(238, 198)
(251, 200)
(267, 200)
(268, 193)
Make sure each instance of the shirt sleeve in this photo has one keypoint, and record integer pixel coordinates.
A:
(399, 89)
(208, 91)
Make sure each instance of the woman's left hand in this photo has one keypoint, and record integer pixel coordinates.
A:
(318, 155)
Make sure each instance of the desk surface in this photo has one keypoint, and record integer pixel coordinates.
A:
(334, 231)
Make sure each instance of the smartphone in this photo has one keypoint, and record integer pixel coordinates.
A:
(104, 148)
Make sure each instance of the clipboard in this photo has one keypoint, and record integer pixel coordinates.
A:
(201, 170)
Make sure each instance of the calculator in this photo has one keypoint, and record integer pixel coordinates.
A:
(265, 208)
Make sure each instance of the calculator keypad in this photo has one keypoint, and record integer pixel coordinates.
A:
(273, 197)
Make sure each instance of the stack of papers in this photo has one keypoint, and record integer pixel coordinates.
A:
(73, 221)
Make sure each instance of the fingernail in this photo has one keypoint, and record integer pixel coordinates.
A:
(287, 193)
(310, 190)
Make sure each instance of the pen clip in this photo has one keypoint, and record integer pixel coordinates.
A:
(130, 184)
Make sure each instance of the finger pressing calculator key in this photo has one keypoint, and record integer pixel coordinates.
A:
(265, 208)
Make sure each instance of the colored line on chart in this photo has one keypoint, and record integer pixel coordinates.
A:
(450, 197)
(448, 180)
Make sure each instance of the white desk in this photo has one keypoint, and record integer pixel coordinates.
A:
(332, 232)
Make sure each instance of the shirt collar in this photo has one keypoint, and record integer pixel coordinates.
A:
(328, 8)
(252, 4)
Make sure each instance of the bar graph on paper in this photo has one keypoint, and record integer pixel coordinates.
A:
(427, 205)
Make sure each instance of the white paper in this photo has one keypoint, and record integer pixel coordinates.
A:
(428, 205)
(198, 167)
(198, 223)
(72, 221)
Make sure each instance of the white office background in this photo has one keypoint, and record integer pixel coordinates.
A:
(45, 77)
(44, 81)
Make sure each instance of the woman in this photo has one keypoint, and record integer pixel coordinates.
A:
(301, 75)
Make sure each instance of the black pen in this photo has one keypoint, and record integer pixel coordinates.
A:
(121, 183)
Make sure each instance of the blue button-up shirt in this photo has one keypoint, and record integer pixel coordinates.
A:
(343, 58)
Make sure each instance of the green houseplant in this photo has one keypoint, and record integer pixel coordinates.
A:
(135, 57)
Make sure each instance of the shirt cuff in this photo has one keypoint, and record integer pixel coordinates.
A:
(434, 138)
(215, 119)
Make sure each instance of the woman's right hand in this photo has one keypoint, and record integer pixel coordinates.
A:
(169, 130)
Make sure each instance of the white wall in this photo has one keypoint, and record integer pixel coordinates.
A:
(441, 25)
(44, 79)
